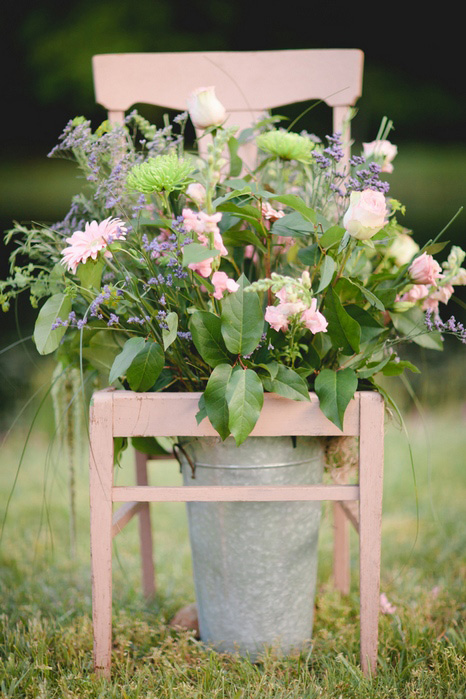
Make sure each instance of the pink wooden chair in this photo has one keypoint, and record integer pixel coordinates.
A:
(247, 83)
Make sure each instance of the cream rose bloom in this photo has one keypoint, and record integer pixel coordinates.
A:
(205, 109)
(403, 249)
(366, 214)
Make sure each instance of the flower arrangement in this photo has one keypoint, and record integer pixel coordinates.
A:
(174, 271)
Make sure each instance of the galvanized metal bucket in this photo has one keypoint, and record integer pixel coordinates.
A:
(254, 563)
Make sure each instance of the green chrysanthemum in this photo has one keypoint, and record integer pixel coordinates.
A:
(286, 145)
(164, 173)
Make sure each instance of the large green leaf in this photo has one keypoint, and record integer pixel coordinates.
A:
(195, 253)
(47, 339)
(286, 382)
(90, 273)
(169, 334)
(370, 326)
(102, 350)
(207, 336)
(327, 270)
(245, 397)
(215, 402)
(412, 325)
(335, 390)
(124, 359)
(297, 204)
(145, 367)
(242, 320)
(292, 225)
(332, 236)
(343, 330)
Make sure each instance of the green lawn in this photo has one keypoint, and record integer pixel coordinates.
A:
(46, 633)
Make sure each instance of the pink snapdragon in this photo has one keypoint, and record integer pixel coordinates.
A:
(191, 221)
(418, 292)
(204, 267)
(291, 305)
(222, 282)
(425, 270)
(271, 214)
(89, 242)
(277, 316)
(313, 319)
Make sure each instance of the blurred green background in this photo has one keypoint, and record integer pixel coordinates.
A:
(412, 75)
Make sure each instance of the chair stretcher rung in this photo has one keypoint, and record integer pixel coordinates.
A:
(218, 493)
(124, 514)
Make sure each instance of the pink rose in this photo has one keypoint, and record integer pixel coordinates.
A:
(222, 283)
(382, 149)
(313, 319)
(366, 214)
(424, 270)
(205, 109)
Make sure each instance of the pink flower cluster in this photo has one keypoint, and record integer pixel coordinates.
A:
(425, 272)
(89, 242)
(278, 316)
(205, 226)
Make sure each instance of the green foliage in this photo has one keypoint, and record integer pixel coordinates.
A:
(285, 279)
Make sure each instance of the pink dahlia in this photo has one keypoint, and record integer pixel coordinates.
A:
(89, 242)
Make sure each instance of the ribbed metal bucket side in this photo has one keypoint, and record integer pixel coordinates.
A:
(254, 563)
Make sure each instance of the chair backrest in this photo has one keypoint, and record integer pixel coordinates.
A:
(246, 82)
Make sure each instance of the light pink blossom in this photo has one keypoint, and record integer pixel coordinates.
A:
(443, 293)
(88, 243)
(386, 607)
(366, 214)
(222, 282)
(196, 192)
(418, 292)
(381, 148)
(191, 221)
(277, 317)
(271, 214)
(313, 319)
(424, 270)
(204, 268)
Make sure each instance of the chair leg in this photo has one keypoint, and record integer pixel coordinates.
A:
(145, 532)
(371, 448)
(341, 550)
(100, 490)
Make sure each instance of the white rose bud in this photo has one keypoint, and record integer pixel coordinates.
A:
(205, 109)
(366, 214)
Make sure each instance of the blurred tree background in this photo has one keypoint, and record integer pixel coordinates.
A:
(412, 75)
